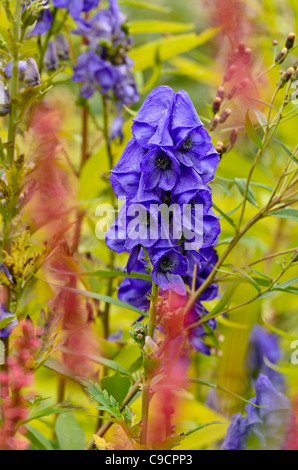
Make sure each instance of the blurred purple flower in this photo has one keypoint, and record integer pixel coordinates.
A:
(76, 7)
(6, 315)
(93, 72)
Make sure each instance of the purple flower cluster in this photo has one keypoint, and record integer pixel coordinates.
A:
(106, 65)
(75, 8)
(261, 428)
(169, 161)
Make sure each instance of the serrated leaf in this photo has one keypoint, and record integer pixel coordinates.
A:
(107, 403)
(69, 433)
(116, 386)
(251, 132)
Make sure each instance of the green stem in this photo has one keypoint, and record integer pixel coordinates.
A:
(47, 40)
(14, 83)
(147, 372)
(106, 313)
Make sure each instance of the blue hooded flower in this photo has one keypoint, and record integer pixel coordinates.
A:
(151, 126)
(104, 25)
(4, 101)
(43, 24)
(22, 68)
(76, 7)
(125, 89)
(136, 291)
(262, 428)
(93, 72)
(169, 268)
(51, 59)
(263, 344)
(160, 169)
(28, 71)
(62, 47)
(6, 315)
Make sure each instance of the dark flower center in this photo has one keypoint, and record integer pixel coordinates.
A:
(187, 144)
(165, 265)
(162, 162)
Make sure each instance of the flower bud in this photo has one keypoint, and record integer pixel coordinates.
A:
(221, 92)
(51, 60)
(215, 122)
(275, 42)
(281, 56)
(229, 73)
(286, 77)
(241, 48)
(290, 41)
(62, 47)
(4, 101)
(216, 105)
(233, 92)
(220, 148)
(150, 348)
(233, 137)
(225, 115)
(247, 55)
(31, 76)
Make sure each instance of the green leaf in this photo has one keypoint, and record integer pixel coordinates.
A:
(69, 433)
(120, 274)
(291, 214)
(144, 56)
(99, 360)
(224, 301)
(93, 295)
(146, 5)
(116, 386)
(221, 389)
(251, 132)
(241, 185)
(225, 216)
(153, 26)
(192, 431)
(107, 403)
(37, 439)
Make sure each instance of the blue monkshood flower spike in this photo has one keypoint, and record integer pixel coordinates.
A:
(51, 59)
(5, 314)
